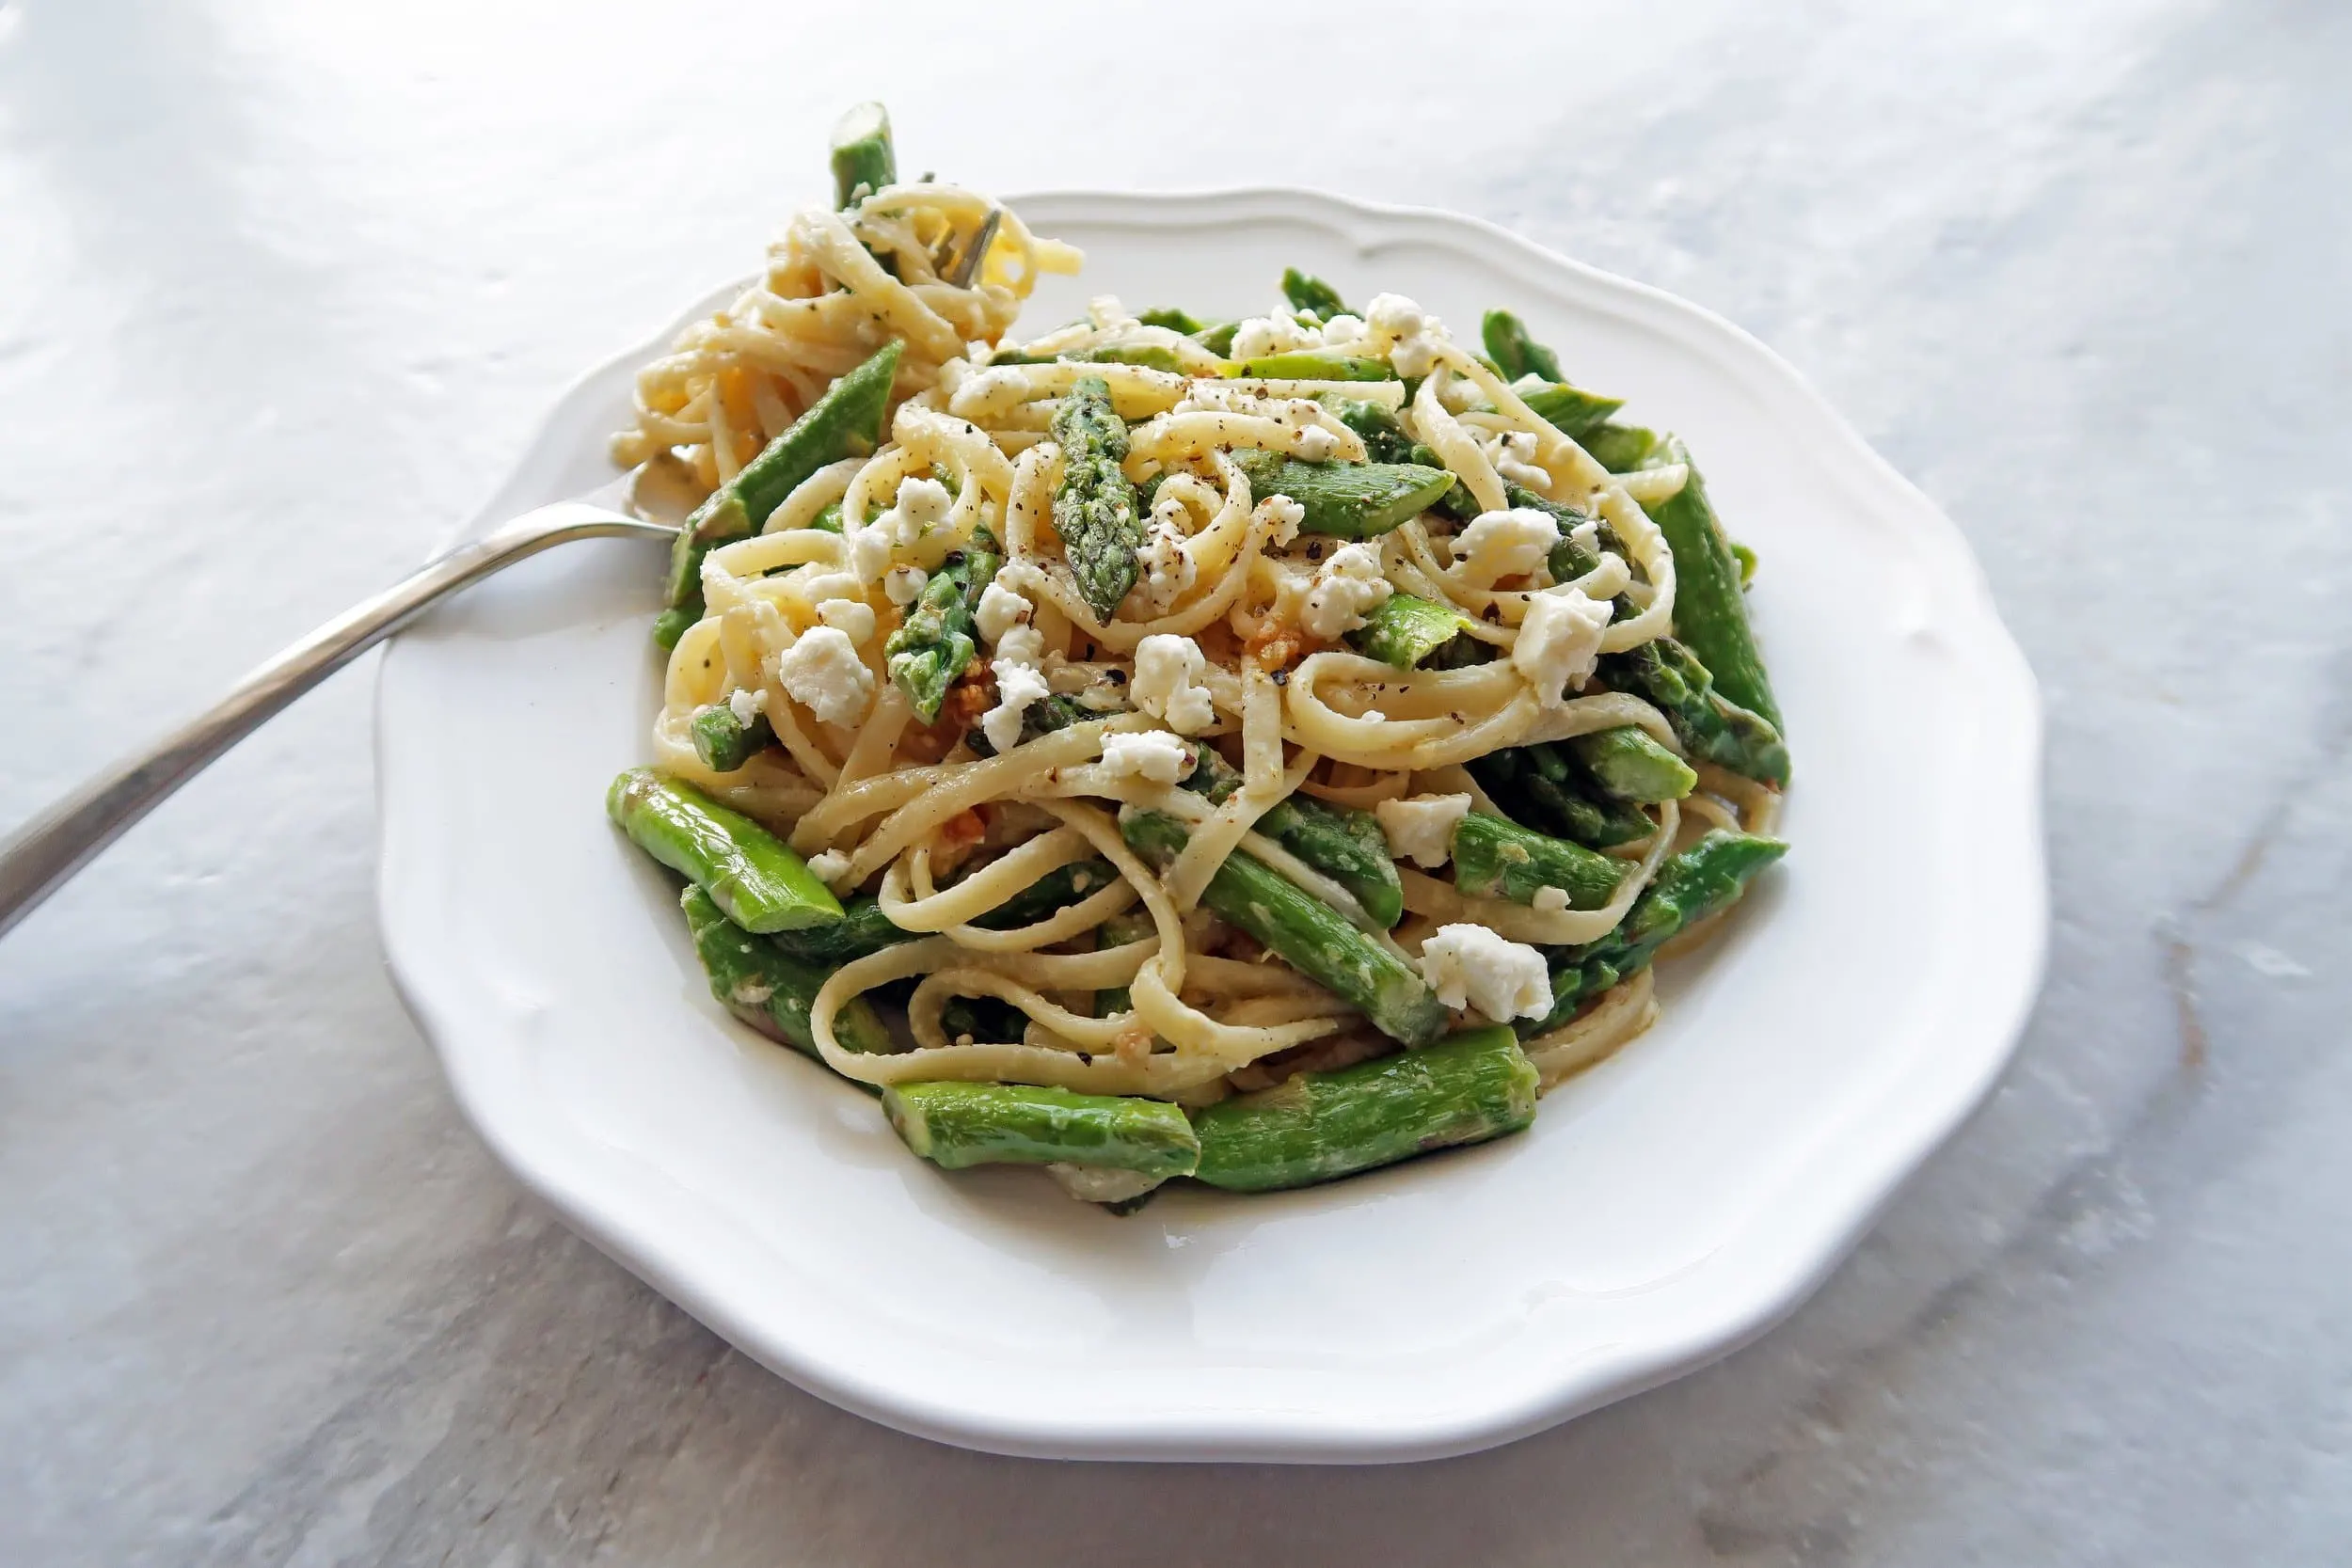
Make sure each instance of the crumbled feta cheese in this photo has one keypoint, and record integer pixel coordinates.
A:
(869, 550)
(1550, 900)
(1108, 315)
(1021, 644)
(852, 617)
(1460, 394)
(823, 672)
(831, 868)
(1468, 966)
(1285, 515)
(1153, 755)
(1373, 715)
(1513, 454)
(903, 585)
(1413, 336)
(1587, 536)
(1022, 577)
(1167, 571)
(1559, 641)
(1342, 330)
(1167, 684)
(1262, 335)
(1508, 544)
(1316, 445)
(745, 703)
(1017, 687)
(1001, 609)
(1420, 828)
(1349, 585)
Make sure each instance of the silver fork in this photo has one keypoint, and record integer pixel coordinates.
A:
(37, 857)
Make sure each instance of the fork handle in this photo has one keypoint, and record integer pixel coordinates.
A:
(39, 856)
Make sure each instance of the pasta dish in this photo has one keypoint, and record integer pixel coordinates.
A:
(1246, 749)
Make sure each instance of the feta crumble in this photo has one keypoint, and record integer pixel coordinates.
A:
(823, 674)
(1413, 335)
(1262, 335)
(1017, 687)
(1285, 515)
(1513, 454)
(1468, 966)
(1316, 445)
(746, 704)
(1559, 641)
(1168, 683)
(1001, 609)
(903, 585)
(831, 868)
(1420, 828)
(1550, 900)
(1342, 330)
(1349, 585)
(1167, 571)
(1153, 754)
(1507, 544)
(853, 618)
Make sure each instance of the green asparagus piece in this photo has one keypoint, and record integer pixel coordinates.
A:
(928, 652)
(845, 423)
(1353, 500)
(767, 990)
(862, 159)
(1516, 353)
(1571, 410)
(1711, 726)
(1312, 364)
(986, 1019)
(1710, 611)
(1217, 336)
(1320, 1126)
(1152, 357)
(1118, 932)
(725, 742)
(1306, 932)
(1621, 448)
(1403, 630)
(1541, 786)
(1307, 292)
(956, 1125)
(1630, 765)
(1746, 558)
(760, 883)
(1042, 717)
(1345, 845)
(1094, 506)
(1690, 886)
(1171, 318)
(672, 624)
(1496, 857)
(1384, 436)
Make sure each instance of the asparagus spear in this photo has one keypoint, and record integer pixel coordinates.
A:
(1217, 336)
(1308, 933)
(956, 1125)
(1346, 846)
(1541, 788)
(934, 644)
(1621, 448)
(1630, 765)
(845, 423)
(864, 160)
(1307, 292)
(760, 883)
(1746, 558)
(1516, 353)
(1710, 611)
(1118, 932)
(1403, 630)
(1152, 357)
(1493, 855)
(1666, 674)
(1312, 364)
(1691, 886)
(1384, 436)
(672, 624)
(1570, 410)
(1042, 717)
(1171, 318)
(1094, 507)
(1320, 1126)
(725, 742)
(767, 990)
(863, 928)
(982, 1017)
(1353, 500)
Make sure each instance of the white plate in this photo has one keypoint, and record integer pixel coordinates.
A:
(1665, 1206)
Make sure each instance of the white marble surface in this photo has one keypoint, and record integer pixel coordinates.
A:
(282, 287)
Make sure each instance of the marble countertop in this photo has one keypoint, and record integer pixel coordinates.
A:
(282, 287)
